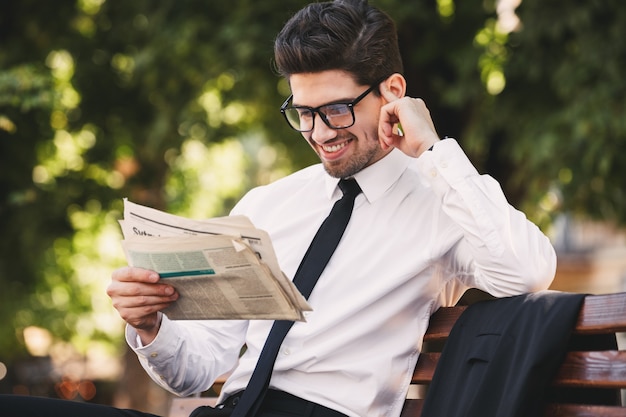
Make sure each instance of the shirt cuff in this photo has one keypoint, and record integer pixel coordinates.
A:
(163, 345)
(446, 166)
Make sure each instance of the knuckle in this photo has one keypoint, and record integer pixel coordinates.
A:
(143, 300)
(135, 291)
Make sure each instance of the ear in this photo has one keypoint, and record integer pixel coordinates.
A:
(395, 84)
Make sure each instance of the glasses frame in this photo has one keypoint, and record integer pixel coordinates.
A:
(314, 110)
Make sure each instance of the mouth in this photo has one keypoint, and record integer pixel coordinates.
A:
(334, 147)
(333, 150)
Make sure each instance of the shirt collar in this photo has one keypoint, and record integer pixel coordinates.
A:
(377, 178)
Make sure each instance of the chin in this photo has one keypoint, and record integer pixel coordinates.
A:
(341, 170)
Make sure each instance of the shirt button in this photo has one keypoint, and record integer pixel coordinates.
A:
(286, 351)
(433, 172)
(154, 355)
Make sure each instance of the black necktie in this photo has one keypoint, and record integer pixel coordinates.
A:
(313, 263)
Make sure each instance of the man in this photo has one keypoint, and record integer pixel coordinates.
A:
(425, 228)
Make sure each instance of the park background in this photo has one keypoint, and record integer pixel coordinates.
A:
(174, 104)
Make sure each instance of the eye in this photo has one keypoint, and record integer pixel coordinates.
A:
(336, 110)
(304, 113)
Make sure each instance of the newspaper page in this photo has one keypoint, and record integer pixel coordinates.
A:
(222, 268)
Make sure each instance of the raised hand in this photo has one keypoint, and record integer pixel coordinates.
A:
(138, 296)
(417, 132)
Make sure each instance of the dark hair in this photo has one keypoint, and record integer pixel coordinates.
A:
(348, 35)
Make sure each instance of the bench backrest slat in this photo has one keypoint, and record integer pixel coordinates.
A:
(606, 369)
(602, 314)
(578, 410)
(441, 322)
(596, 369)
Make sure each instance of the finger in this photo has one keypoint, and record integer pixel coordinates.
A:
(137, 282)
(133, 274)
(139, 289)
(140, 310)
(150, 303)
(388, 120)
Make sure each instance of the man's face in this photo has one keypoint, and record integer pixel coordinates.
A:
(343, 152)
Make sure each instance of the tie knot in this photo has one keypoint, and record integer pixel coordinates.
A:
(349, 187)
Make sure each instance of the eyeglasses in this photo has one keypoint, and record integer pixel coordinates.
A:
(334, 115)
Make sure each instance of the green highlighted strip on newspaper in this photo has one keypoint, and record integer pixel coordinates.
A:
(186, 273)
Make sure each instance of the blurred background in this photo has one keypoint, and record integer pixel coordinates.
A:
(174, 104)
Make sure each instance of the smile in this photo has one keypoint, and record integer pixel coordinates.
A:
(336, 147)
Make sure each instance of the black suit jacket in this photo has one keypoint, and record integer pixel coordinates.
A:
(501, 356)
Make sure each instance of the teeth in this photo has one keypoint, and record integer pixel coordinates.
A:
(334, 148)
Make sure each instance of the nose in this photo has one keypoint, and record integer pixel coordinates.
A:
(321, 133)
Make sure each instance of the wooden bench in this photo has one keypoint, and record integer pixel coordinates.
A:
(600, 314)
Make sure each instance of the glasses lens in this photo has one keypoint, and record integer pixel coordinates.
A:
(299, 118)
(338, 116)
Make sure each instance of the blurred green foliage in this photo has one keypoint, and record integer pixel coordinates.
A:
(173, 104)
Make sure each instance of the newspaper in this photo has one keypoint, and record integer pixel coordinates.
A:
(222, 268)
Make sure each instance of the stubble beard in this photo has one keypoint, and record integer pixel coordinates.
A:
(346, 168)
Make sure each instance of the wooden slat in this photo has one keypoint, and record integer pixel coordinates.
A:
(425, 368)
(441, 323)
(599, 314)
(578, 410)
(602, 313)
(605, 369)
(413, 408)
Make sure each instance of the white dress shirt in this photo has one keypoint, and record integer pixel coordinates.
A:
(422, 232)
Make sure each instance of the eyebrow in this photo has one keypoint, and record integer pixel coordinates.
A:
(337, 101)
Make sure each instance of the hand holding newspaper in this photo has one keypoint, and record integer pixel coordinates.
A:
(222, 268)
